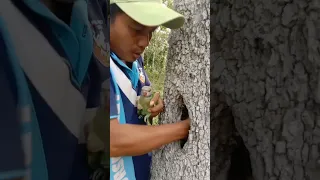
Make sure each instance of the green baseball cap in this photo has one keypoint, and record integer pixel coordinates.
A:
(151, 13)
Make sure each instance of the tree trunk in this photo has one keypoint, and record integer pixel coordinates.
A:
(187, 84)
(266, 60)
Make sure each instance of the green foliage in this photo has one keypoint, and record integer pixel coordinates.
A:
(156, 53)
(157, 79)
(155, 57)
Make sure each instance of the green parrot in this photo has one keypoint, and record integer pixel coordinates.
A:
(144, 104)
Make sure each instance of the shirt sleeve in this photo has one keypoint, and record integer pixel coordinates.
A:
(113, 100)
(11, 152)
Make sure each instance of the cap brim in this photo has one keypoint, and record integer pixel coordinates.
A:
(152, 14)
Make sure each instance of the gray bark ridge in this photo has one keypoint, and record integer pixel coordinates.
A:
(187, 83)
(266, 61)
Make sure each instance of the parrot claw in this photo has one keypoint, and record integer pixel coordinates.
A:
(147, 120)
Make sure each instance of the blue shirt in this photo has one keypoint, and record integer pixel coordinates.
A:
(11, 151)
(141, 163)
(64, 153)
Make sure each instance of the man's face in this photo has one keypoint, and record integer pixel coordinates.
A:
(128, 39)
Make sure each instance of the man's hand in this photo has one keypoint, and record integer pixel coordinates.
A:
(136, 140)
(156, 104)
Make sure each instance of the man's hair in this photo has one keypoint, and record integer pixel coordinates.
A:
(114, 11)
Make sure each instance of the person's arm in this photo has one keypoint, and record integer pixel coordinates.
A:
(12, 165)
(134, 140)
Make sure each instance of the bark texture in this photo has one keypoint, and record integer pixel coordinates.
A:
(187, 85)
(265, 82)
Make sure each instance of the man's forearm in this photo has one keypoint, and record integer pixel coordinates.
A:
(134, 140)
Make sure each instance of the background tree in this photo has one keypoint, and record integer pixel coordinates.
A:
(155, 58)
(155, 55)
(265, 87)
(187, 85)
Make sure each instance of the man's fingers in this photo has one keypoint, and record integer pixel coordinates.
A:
(155, 98)
(158, 108)
(154, 115)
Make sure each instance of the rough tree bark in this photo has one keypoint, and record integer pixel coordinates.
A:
(266, 60)
(187, 84)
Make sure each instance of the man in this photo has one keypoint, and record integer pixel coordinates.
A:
(49, 77)
(131, 27)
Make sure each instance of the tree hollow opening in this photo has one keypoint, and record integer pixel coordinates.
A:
(240, 163)
(184, 116)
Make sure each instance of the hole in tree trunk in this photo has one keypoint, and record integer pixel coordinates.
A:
(240, 168)
(184, 116)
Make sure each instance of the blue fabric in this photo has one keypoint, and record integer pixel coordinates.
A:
(131, 72)
(113, 100)
(127, 164)
(54, 39)
(11, 152)
(60, 31)
(141, 163)
(59, 143)
(24, 101)
(66, 158)
(131, 109)
(56, 153)
(76, 39)
(80, 26)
